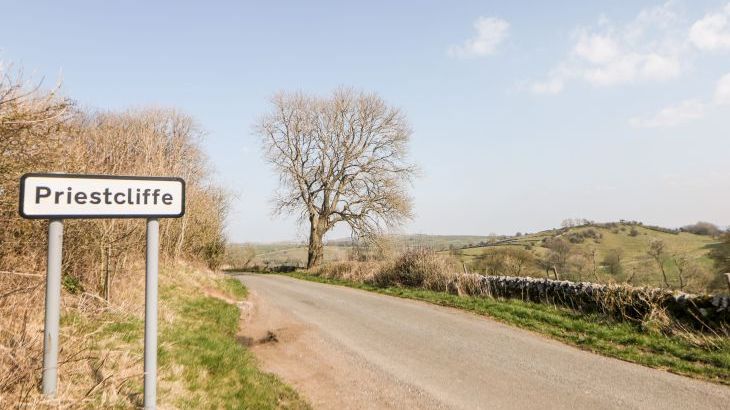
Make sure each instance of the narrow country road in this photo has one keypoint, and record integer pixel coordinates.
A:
(347, 348)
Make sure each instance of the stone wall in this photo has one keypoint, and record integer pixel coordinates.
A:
(618, 301)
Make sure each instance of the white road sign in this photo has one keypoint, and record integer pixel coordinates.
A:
(61, 196)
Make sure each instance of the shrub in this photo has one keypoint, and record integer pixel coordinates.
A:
(612, 262)
(702, 228)
(359, 272)
(418, 267)
(41, 131)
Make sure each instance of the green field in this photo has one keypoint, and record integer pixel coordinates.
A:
(295, 254)
(630, 240)
(634, 259)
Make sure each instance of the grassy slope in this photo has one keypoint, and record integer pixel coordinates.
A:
(201, 364)
(633, 247)
(703, 358)
(634, 250)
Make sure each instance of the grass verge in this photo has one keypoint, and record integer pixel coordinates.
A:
(701, 357)
(201, 364)
(201, 346)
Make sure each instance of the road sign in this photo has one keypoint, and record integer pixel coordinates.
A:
(63, 196)
(59, 196)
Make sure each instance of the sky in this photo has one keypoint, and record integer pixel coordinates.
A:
(523, 114)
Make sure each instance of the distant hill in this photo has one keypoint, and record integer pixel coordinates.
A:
(593, 243)
(630, 241)
(295, 253)
(436, 242)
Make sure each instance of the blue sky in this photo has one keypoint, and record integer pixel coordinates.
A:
(523, 114)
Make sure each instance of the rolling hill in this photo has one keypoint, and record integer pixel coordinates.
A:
(629, 242)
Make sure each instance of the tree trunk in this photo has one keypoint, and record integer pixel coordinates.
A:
(664, 274)
(316, 248)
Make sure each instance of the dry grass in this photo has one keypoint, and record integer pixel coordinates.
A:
(419, 267)
(100, 362)
(88, 373)
(43, 131)
(653, 309)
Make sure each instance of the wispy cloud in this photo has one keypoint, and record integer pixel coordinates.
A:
(490, 33)
(671, 116)
(722, 90)
(712, 32)
(686, 111)
(645, 49)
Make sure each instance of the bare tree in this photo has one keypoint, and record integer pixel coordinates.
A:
(593, 252)
(612, 261)
(340, 159)
(684, 265)
(578, 263)
(657, 251)
(557, 257)
(241, 257)
(517, 259)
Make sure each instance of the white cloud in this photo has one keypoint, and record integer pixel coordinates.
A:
(671, 116)
(644, 49)
(555, 81)
(722, 91)
(550, 86)
(597, 49)
(490, 32)
(628, 68)
(662, 16)
(712, 32)
(688, 110)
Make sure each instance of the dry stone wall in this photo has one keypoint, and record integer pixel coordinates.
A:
(618, 301)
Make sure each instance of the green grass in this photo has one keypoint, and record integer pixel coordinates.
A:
(216, 368)
(197, 350)
(233, 287)
(709, 360)
(634, 255)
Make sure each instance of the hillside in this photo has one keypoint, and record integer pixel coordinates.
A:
(627, 243)
(588, 258)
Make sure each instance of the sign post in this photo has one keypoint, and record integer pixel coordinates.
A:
(150, 314)
(61, 196)
(53, 303)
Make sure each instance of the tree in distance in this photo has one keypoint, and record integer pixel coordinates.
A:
(657, 251)
(612, 261)
(703, 228)
(341, 158)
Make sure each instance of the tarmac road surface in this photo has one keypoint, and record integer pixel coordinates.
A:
(347, 348)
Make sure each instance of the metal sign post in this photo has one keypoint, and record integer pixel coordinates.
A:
(59, 196)
(53, 307)
(150, 313)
